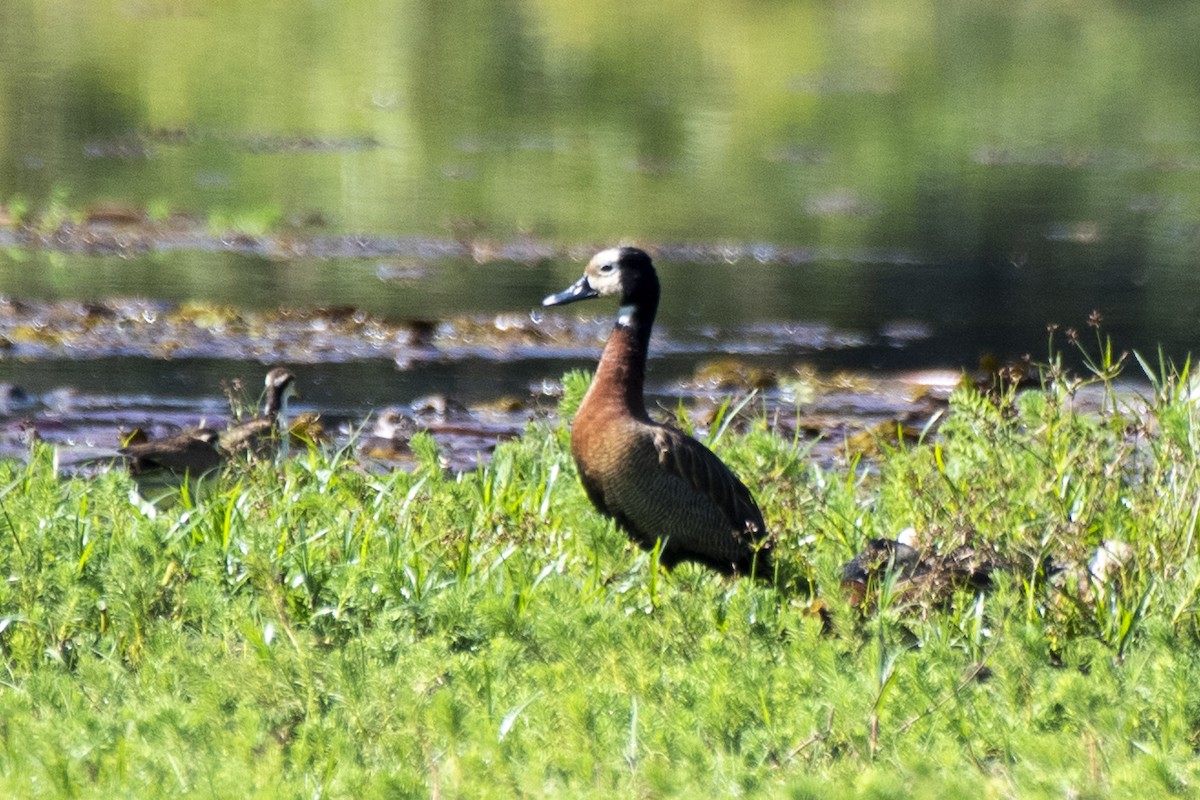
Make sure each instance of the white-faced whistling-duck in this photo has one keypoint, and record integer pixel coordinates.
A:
(658, 483)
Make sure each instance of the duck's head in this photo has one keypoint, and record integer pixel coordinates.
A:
(281, 387)
(622, 271)
(394, 424)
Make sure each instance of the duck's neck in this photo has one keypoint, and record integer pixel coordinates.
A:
(621, 375)
(274, 403)
(276, 411)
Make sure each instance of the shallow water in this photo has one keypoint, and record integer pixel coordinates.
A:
(468, 408)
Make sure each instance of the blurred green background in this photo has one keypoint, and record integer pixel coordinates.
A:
(985, 168)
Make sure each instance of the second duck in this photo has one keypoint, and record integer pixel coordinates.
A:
(260, 435)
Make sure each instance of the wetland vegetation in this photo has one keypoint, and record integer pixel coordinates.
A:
(314, 629)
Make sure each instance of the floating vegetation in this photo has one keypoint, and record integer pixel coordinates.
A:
(728, 373)
(116, 230)
(156, 329)
(142, 145)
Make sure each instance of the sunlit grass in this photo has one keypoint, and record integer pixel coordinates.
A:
(319, 630)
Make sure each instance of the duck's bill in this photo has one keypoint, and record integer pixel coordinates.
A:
(579, 290)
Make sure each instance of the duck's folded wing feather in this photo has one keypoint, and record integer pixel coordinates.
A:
(683, 456)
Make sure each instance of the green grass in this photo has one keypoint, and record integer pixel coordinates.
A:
(318, 631)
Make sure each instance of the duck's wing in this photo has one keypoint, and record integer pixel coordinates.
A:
(684, 457)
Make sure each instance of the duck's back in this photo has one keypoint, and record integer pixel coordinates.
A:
(253, 436)
(183, 452)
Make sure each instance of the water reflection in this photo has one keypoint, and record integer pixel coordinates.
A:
(962, 131)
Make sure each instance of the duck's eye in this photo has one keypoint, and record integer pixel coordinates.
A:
(607, 268)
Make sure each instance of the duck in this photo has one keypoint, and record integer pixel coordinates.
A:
(256, 435)
(389, 437)
(161, 465)
(922, 579)
(394, 425)
(662, 487)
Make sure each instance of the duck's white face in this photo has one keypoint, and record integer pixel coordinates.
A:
(615, 271)
(393, 424)
(604, 272)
